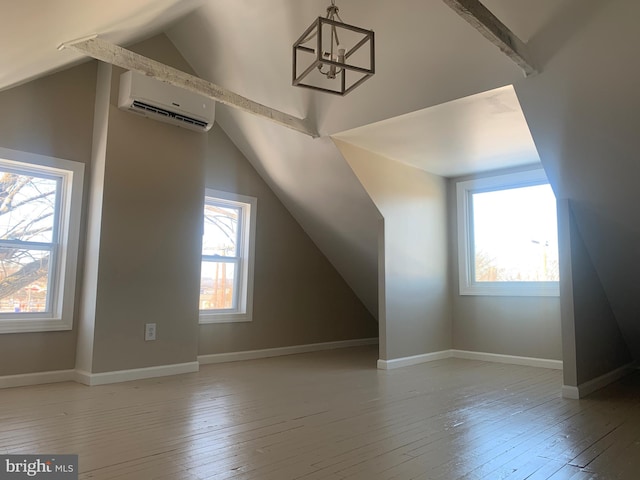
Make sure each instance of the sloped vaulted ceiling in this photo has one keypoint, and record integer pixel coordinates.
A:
(32, 30)
(425, 55)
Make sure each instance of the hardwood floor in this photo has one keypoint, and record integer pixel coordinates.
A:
(332, 415)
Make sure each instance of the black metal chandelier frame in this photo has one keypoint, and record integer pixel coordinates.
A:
(337, 67)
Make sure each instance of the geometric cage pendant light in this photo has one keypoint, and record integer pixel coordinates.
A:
(332, 56)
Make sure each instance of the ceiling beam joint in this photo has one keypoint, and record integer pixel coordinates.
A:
(107, 52)
(478, 16)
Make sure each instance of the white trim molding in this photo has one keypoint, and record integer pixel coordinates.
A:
(590, 386)
(468, 355)
(465, 191)
(92, 379)
(277, 352)
(510, 359)
(37, 378)
(62, 246)
(570, 393)
(244, 259)
(413, 360)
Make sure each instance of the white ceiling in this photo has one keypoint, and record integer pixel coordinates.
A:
(31, 30)
(426, 56)
(478, 133)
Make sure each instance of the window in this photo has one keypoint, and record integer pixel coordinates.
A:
(226, 278)
(40, 203)
(507, 235)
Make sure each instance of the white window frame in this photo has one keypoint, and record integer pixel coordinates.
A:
(464, 192)
(64, 267)
(243, 312)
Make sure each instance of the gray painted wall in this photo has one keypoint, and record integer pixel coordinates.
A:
(149, 244)
(415, 317)
(421, 309)
(299, 297)
(521, 326)
(582, 110)
(594, 344)
(146, 235)
(50, 116)
(150, 236)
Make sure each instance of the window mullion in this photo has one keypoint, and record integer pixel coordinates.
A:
(26, 245)
(218, 258)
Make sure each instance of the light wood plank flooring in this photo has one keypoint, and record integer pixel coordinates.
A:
(332, 415)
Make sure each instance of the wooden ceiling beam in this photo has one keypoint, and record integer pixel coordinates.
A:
(121, 57)
(476, 14)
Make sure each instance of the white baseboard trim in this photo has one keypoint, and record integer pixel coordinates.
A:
(597, 383)
(485, 357)
(37, 378)
(276, 352)
(92, 379)
(413, 360)
(571, 393)
(510, 359)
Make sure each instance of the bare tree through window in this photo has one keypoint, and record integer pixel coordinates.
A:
(220, 249)
(27, 240)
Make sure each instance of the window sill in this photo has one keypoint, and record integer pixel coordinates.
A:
(31, 326)
(206, 318)
(512, 289)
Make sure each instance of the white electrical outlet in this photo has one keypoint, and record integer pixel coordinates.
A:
(149, 331)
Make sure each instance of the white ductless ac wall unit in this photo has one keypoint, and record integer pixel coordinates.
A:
(167, 103)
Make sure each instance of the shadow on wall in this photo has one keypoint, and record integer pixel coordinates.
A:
(618, 274)
(552, 38)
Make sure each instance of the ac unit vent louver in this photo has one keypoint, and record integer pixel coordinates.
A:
(161, 111)
(164, 102)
